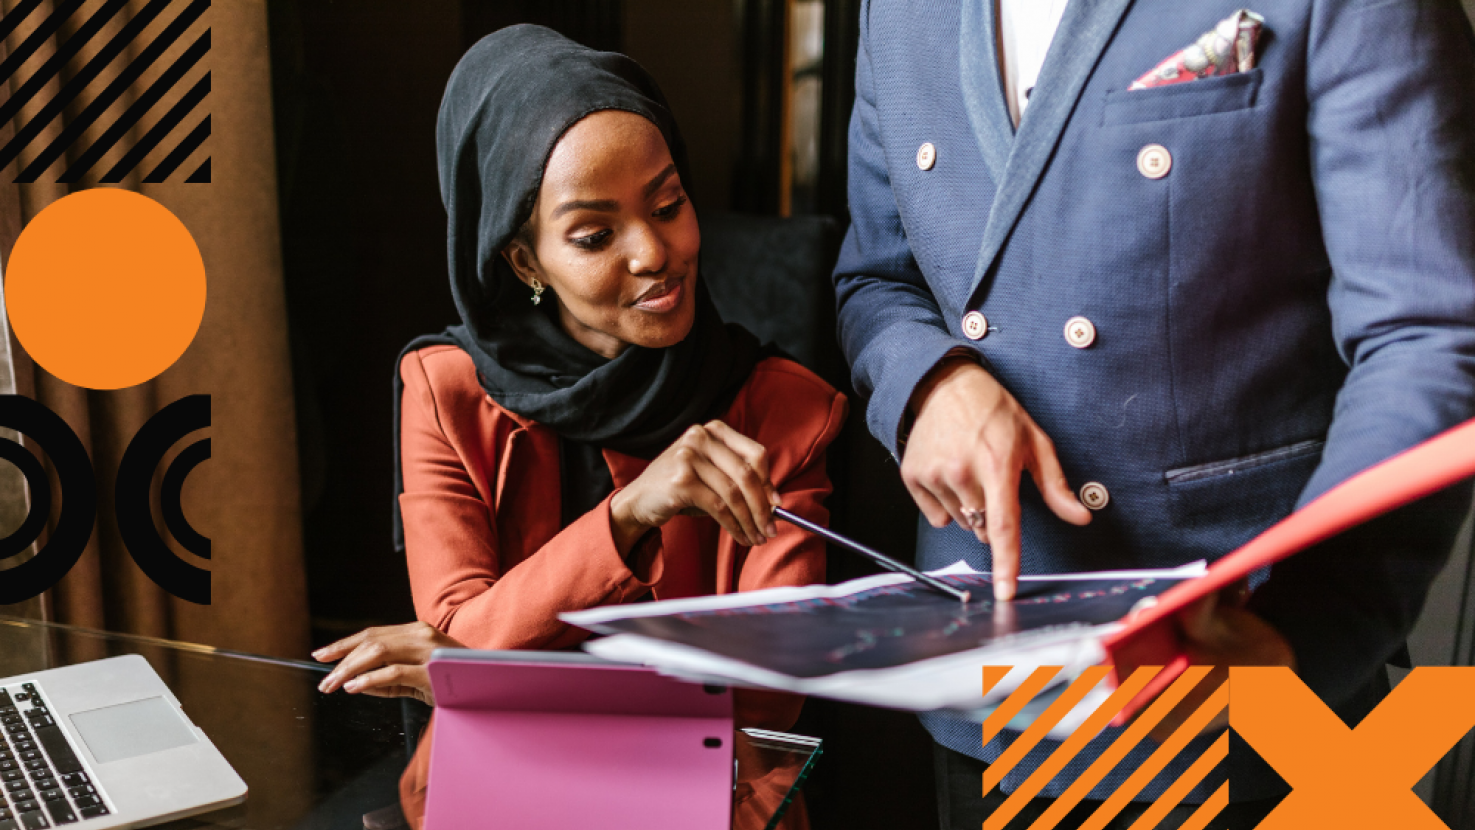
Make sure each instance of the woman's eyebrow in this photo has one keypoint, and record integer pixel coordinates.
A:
(610, 205)
(604, 205)
(660, 179)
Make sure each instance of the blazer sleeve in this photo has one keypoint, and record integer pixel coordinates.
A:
(891, 328)
(1392, 128)
(457, 578)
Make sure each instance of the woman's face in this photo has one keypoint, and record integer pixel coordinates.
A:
(613, 236)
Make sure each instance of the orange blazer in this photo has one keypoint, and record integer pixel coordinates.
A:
(489, 565)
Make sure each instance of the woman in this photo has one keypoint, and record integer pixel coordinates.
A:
(592, 433)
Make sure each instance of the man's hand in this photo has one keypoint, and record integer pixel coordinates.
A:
(968, 447)
(1218, 631)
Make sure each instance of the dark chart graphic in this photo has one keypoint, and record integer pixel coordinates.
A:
(893, 625)
(77, 56)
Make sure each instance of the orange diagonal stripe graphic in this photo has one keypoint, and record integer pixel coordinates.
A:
(1017, 700)
(1159, 759)
(991, 677)
(1191, 777)
(1124, 743)
(1036, 731)
(1069, 748)
(1207, 810)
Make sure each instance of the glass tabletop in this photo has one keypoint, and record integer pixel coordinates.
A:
(328, 761)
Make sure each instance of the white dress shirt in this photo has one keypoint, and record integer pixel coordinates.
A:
(1026, 28)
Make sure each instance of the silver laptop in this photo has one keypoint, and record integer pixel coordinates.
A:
(104, 744)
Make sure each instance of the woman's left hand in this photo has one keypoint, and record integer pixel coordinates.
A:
(384, 662)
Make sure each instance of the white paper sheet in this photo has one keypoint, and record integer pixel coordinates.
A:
(951, 681)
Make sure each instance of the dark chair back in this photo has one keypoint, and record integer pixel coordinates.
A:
(772, 275)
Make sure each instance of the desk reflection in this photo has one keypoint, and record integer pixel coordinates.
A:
(314, 761)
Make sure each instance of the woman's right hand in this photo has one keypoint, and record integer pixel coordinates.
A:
(711, 469)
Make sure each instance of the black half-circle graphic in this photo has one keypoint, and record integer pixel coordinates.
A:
(172, 489)
(131, 496)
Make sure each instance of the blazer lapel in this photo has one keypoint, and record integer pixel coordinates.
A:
(983, 85)
(1085, 29)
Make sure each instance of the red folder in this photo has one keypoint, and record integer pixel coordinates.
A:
(1152, 637)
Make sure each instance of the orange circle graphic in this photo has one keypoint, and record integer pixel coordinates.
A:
(105, 288)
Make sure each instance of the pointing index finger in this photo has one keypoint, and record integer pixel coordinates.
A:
(1001, 493)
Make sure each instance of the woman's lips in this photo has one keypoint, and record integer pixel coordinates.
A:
(662, 298)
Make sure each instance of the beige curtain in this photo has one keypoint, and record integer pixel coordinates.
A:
(246, 497)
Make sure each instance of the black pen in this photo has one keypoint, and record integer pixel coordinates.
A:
(875, 556)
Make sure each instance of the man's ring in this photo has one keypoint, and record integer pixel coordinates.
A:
(974, 518)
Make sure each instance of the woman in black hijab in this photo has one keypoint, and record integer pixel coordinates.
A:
(592, 433)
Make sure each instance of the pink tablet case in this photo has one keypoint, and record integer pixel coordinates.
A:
(538, 746)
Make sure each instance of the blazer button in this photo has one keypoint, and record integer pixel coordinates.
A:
(1154, 161)
(1080, 332)
(926, 156)
(1094, 495)
(975, 325)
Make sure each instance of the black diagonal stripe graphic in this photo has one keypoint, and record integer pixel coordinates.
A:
(34, 40)
(201, 174)
(104, 56)
(17, 14)
(172, 161)
(54, 63)
(136, 111)
(151, 139)
(105, 99)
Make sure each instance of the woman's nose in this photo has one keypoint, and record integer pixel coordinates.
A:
(647, 251)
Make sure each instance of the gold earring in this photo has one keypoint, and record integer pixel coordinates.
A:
(537, 291)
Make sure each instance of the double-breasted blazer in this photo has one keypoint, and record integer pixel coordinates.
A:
(1219, 298)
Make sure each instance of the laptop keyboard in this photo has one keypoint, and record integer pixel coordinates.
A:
(42, 782)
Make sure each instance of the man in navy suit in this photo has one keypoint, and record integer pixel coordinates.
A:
(1138, 326)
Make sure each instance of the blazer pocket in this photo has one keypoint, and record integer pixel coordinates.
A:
(1205, 96)
(1253, 490)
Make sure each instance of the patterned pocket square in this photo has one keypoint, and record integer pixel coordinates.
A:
(1224, 50)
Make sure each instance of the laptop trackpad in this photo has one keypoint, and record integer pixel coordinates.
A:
(128, 730)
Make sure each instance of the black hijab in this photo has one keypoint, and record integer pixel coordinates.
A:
(510, 99)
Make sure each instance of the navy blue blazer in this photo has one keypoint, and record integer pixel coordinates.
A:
(1291, 303)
